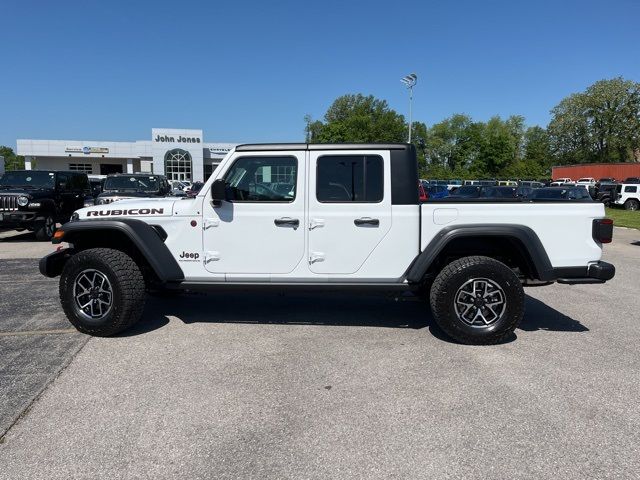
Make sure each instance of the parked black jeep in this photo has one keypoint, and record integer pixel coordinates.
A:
(605, 193)
(123, 186)
(36, 200)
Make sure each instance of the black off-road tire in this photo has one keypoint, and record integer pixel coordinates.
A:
(126, 282)
(632, 204)
(453, 277)
(44, 229)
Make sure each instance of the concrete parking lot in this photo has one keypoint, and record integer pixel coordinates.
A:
(307, 386)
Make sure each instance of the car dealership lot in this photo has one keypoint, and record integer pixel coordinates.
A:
(307, 386)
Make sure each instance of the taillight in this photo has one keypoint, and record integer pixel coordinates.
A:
(603, 230)
(423, 194)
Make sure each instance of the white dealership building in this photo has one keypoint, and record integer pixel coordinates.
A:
(177, 153)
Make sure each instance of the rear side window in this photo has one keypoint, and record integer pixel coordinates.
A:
(630, 189)
(350, 178)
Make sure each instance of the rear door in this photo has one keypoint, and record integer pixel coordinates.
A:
(349, 208)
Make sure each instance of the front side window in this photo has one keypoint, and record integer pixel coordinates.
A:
(262, 179)
(63, 182)
(350, 178)
(78, 182)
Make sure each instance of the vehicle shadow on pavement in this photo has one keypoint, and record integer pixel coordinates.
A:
(286, 309)
(324, 309)
(19, 237)
(540, 316)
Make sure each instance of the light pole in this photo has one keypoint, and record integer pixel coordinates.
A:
(410, 81)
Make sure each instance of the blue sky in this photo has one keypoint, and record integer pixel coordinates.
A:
(250, 71)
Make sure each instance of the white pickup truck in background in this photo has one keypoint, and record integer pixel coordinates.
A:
(313, 216)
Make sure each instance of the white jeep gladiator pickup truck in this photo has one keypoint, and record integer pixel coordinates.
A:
(327, 217)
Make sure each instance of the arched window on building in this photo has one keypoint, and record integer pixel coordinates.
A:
(177, 164)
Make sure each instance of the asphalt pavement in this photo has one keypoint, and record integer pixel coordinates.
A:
(318, 386)
(36, 340)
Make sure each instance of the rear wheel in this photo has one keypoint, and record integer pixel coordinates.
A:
(102, 291)
(477, 300)
(632, 204)
(45, 229)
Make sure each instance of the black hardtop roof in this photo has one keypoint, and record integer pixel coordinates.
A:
(253, 147)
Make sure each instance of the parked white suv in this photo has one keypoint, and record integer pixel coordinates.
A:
(628, 195)
(586, 182)
(328, 217)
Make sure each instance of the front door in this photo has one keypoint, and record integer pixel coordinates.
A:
(349, 208)
(260, 229)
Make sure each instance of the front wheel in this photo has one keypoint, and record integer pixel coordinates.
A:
(631, 205)
(45, 229)
(477, 300)
(102, 291)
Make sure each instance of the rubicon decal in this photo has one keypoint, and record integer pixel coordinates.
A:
(131, 211)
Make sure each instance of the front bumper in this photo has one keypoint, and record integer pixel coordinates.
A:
(17, 219)
(596, 272)
(51, 266)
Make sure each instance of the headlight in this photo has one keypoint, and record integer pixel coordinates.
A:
(100, 201)
(35, 205)
(75, 216)
(23, 201)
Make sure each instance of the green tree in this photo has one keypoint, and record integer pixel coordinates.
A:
(356, 118)
(538, 157)
(451, 143)
(601, 124)
(11, 160)
(498, 149)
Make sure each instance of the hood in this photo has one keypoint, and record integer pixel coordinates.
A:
(146, 207)
(32, 193)
(114, 196)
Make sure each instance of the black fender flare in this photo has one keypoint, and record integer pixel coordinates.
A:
(142, 235)
(525, 235)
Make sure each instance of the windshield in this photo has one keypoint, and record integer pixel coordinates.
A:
(28, 178)
(138, 184)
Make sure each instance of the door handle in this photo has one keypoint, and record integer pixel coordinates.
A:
(287, 222)
(360, 222)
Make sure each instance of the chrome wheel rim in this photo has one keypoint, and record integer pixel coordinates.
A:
(480, 302)
(93, 294)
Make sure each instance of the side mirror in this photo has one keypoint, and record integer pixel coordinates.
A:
(218, 192)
